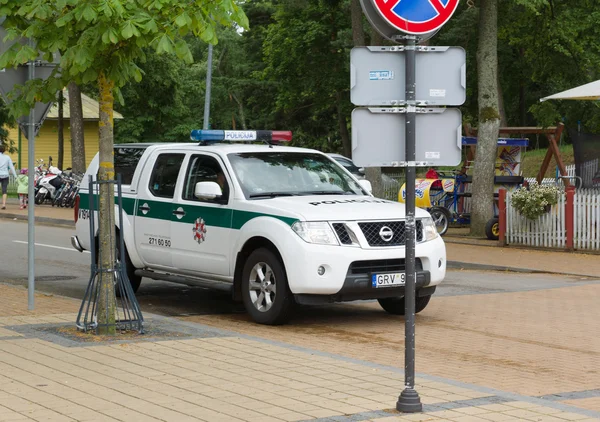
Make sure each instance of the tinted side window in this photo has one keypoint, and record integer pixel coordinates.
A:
(164, 175)
(126, 161)
(204, 168)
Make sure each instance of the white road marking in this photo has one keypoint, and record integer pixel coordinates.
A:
(50, 246)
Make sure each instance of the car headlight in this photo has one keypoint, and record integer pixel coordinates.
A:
(315, 232)
(429, 229)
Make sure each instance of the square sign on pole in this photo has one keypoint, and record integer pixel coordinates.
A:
(378, 137)
(377, 76)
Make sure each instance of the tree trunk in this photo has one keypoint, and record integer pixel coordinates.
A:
(61, 128)
(358, 38)
(501, 108)
(76, 122)
(241, 111)
(358, 33)
(489, 118)
(343, 124)
(522, 100)
(106, 217)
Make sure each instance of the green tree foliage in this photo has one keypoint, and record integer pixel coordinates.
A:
(106, 36)
(290, 69)
(170, 100)
(307, 52)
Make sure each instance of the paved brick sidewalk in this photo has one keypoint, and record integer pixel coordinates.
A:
(213, 375)
(43, 213)
(528, 259)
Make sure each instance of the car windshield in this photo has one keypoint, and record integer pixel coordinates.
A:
(271, 174)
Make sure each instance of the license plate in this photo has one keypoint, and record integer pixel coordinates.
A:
(388, 280)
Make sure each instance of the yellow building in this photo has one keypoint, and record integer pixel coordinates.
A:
(46, 143)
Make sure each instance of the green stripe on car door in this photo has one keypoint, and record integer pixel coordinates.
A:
(84, 203)
(212, 216)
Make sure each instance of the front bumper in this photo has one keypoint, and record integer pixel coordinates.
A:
(348, 270)
(359, 288)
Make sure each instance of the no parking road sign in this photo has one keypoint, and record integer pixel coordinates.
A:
(416, 17)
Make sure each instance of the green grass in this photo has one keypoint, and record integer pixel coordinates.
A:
(531, 162)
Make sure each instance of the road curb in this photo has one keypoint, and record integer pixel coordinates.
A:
(42, 220)
(457, 265)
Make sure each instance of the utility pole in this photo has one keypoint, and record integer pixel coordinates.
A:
(208, 87)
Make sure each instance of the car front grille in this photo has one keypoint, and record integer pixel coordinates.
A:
(372, 232)
(342, 232)
(381, 266)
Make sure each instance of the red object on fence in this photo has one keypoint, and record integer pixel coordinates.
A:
(569, 217)
(502, 216)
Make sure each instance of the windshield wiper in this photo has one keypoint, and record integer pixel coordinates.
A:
(272, 194)
(328, 192)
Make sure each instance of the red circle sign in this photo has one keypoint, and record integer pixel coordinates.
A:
(416, 16)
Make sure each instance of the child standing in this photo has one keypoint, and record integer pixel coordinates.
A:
(22, 188)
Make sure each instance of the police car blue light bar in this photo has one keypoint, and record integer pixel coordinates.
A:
(241, 135)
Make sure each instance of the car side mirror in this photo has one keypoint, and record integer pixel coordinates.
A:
(208, 190)
(366, 185)
(361, 170)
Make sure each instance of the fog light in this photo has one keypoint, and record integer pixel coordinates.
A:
(440, 263)
(321, 270)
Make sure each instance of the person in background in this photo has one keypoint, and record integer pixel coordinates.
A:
(23, 188)
(6, 166)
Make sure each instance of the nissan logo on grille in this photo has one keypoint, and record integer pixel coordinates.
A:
(386, 234)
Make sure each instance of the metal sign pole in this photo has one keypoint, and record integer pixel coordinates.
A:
(31, 200)
(409, 400)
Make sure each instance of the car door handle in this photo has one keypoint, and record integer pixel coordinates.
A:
(144, 208)
(181, 213)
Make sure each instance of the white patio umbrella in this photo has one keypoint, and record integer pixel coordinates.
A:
(589, 91)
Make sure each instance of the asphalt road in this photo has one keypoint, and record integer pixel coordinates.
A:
(63, 271)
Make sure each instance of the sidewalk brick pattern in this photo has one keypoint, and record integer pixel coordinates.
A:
(211, 379)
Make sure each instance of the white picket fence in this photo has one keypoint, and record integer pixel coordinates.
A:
(587, 219)
(547, 231)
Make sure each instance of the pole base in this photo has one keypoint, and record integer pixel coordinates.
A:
(409, 402)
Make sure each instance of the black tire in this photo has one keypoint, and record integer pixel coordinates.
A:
(441, 217)
(396, 305)
(134, 280)
(39, 198)
(278, 308)
(492, 229)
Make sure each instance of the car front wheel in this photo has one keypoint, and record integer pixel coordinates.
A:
(265, 291)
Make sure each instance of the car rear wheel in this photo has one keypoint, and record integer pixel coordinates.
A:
(396, 305)
(265, 291)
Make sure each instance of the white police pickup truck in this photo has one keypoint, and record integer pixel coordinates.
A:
(275, 225)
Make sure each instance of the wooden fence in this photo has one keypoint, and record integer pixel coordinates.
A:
(573, 223)
(548, 231)
(586, 217)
